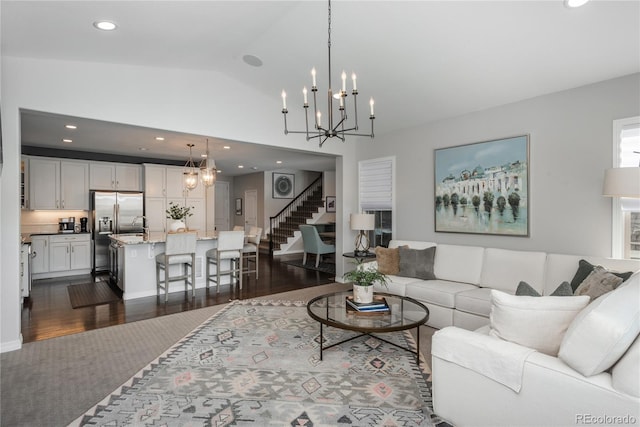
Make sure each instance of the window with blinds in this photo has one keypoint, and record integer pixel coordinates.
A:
(375, 189)
(626, 211)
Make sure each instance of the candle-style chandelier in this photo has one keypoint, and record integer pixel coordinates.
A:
(339, 129)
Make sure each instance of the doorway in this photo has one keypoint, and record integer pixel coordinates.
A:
(251, 208)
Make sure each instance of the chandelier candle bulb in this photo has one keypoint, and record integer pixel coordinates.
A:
(319, 119)
(353, 78)
(371, 105)
(344, 81)
(284, 100)
(304, 94)
(313, 76)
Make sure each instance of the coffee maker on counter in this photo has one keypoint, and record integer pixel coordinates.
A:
(83, 224)
(67, 225)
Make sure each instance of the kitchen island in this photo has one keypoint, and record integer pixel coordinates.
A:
(134, 264)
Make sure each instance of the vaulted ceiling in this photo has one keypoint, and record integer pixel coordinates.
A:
(422, 61)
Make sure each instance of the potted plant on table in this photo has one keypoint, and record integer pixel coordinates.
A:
(363, 278)
(178, 214)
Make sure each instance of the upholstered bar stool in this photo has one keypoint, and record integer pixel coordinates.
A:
(229, 248)
(251, 249)
(180, 249)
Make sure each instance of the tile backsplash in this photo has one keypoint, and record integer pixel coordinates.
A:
(33, 222)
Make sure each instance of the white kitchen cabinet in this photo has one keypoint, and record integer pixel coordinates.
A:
(114, 176)
(74, 185)
(155, 208)
(198, 219)
(155, 180)
(40, 254)
(24, 183)
(44, 179)
(58, 184)
(69, 252)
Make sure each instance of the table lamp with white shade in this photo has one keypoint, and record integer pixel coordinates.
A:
(361, 223)
(622, 182)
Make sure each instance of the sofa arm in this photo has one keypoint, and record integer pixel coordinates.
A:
(499, 360)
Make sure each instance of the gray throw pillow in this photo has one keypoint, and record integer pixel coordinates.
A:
(598, 283)
(585, 268)
(417, 263)
(564, 290)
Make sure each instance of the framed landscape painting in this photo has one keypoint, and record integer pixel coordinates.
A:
(483, 188)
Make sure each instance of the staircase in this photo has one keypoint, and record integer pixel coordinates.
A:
(298, 212)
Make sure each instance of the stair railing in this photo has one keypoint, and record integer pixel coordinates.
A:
(277, 232)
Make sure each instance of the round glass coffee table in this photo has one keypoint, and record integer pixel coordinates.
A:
(404, 313)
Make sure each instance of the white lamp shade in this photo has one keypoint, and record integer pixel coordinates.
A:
(362, 221)
(622, 182)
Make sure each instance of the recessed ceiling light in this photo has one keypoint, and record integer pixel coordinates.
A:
(252, 60)
(255, 168)
(226, 147)
(240, 166)
(279, 162)
(575, 3)
(71, 126)
(105, 25)
(67, 140)
(142, 148)
(159, 138)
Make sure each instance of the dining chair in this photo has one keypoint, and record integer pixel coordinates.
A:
(313, 244)
(229, 249)
(180, 249)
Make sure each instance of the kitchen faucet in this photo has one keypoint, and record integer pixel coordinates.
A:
(143, 218)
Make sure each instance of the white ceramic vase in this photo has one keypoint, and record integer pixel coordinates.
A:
(362, 294)
(177, 225)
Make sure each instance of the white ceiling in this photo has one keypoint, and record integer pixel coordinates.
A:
(422, 61)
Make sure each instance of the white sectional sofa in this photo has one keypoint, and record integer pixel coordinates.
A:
(482, 380)
(465, 275)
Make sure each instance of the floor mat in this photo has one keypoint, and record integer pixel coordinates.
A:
(93, 293)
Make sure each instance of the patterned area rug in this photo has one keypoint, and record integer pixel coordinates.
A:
(257, 363)
(324, 267)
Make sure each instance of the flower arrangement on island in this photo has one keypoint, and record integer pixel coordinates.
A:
(177, 212)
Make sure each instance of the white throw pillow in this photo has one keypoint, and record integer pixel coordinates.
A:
(625, 375)
(535, 322)
(601, 333)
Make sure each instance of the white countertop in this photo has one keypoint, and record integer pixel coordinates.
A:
(156, 237)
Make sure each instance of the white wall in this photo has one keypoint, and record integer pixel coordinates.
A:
(570, 147)
(200, 102)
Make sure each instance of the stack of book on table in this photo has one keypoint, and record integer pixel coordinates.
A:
(379, 305)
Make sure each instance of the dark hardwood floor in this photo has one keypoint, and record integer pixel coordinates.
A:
(47, 313)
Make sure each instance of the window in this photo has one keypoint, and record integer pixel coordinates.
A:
(626, 211)
(376, 185)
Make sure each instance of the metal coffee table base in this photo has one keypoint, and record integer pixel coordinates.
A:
(416, 353)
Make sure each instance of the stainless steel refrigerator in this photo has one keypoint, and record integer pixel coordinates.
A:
(113, 213)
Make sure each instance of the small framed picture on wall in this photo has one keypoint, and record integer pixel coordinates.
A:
(238, 206)
(331, 204)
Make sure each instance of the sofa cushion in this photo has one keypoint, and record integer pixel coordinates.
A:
(440, 292)
(524, 289)
(503, 269)
(603, 331)
(475, 301)
(584, 270)
(459, 263)
(598, 282)
(535, 322)
(625, 375)
(388, 260)
(417, 263)
(413, 244)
